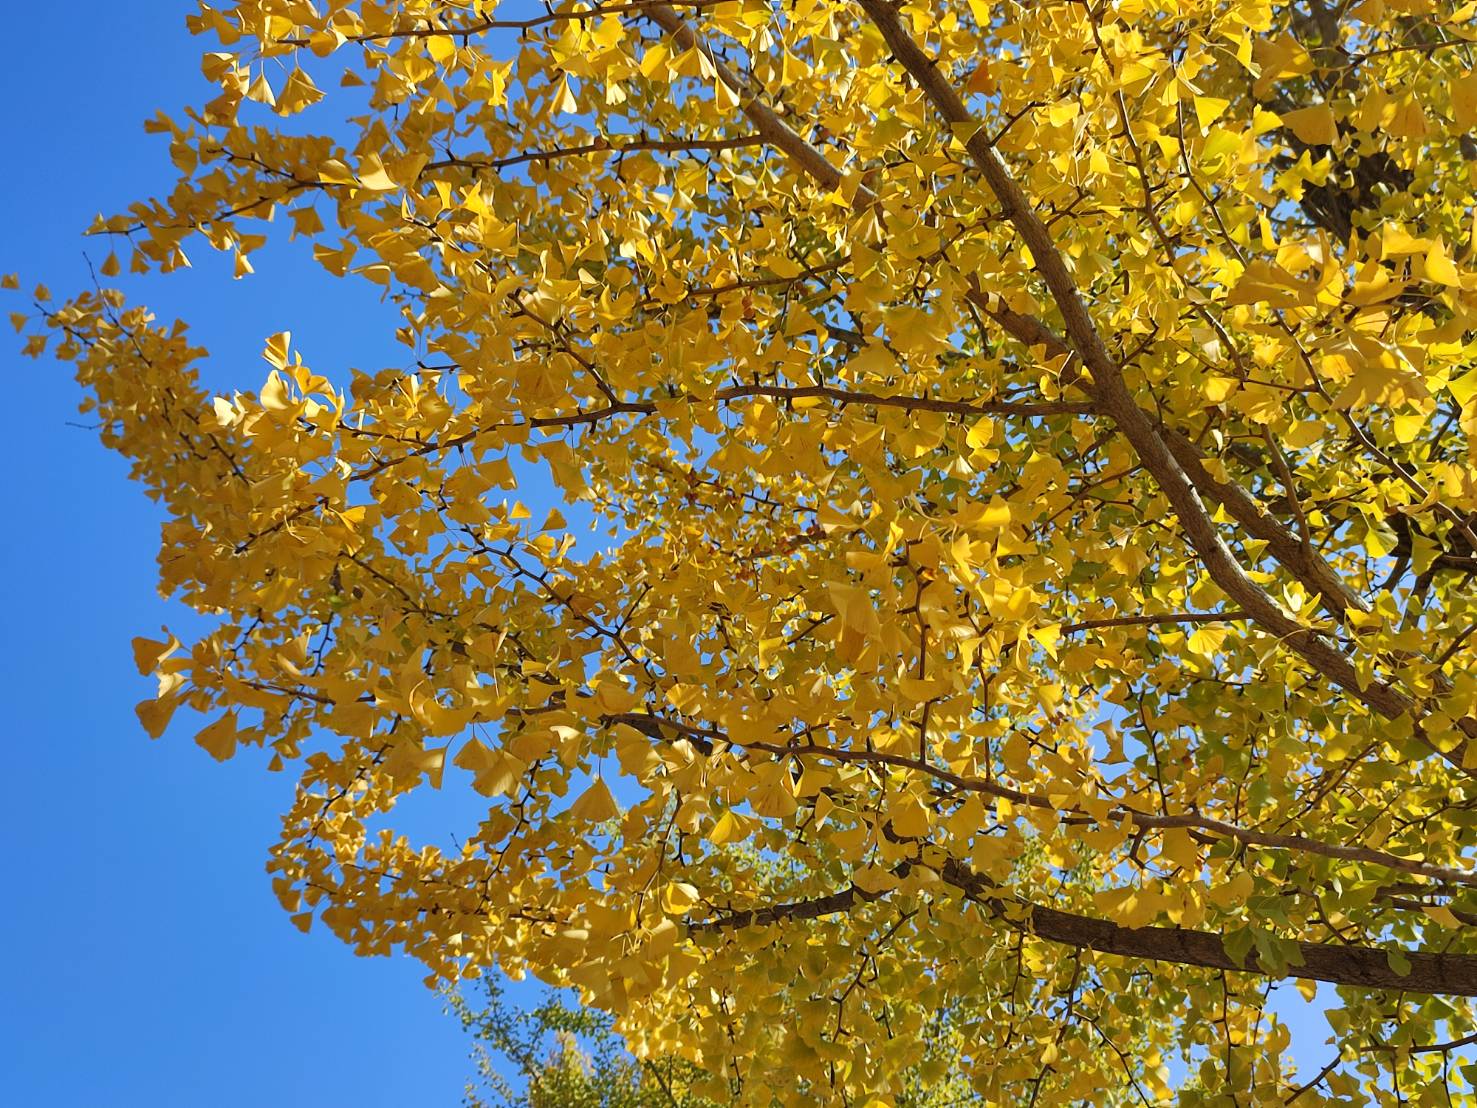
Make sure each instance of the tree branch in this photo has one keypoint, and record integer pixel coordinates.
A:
(1361, 966)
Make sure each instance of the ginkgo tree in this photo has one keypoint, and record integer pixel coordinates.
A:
(1034, 445)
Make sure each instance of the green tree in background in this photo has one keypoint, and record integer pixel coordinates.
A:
(553, 1055)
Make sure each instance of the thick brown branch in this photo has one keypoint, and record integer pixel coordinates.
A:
(1360, 966)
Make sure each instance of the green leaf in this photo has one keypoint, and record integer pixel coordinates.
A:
(1239, 944)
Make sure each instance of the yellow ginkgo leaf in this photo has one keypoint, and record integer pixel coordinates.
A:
(595, 804)
(1313, 125)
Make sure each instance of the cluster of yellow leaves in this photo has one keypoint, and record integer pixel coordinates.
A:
(899, 638)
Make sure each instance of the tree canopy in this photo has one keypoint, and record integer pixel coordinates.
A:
(1034, 447)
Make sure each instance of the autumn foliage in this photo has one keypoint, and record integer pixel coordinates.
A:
(1032, 445)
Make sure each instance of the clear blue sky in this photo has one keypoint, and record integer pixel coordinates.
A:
(145, 961)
